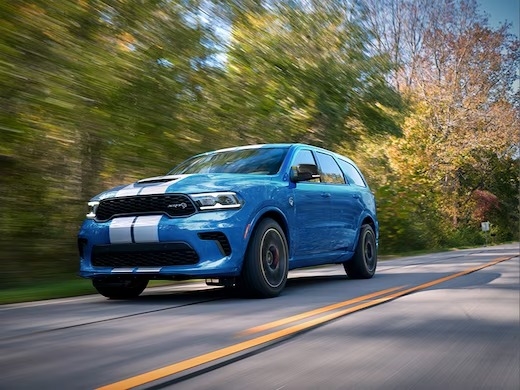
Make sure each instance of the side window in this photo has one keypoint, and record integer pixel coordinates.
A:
(330, 171)
(305, 157)
(352, 174)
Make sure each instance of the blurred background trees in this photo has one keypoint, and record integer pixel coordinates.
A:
(462, 131)
(101, 92)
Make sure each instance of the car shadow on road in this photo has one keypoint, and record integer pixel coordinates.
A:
(315, 284)
(295, 285)
(201, 293)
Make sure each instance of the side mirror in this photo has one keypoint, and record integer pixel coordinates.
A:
(304, 172)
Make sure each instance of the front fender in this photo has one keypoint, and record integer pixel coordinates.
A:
(267, 211)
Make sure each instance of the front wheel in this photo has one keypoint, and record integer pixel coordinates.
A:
(363, 264)
(120, 289)
(265, 268)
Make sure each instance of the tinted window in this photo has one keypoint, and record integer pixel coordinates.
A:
(329, 170)
(305, 157)
(352, 173)
(261, 161)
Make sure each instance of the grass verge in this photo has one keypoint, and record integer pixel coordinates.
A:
(57, 289)
(47, 290)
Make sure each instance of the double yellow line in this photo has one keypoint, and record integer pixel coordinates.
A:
(367, 300)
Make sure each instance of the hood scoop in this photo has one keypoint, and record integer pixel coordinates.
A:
(159, 179)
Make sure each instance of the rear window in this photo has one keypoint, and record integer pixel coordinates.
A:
(352, 174)
(259, 161)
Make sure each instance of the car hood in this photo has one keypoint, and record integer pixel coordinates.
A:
(187, 184)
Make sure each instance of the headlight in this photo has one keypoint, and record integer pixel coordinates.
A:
(216, 201)
(92, 208)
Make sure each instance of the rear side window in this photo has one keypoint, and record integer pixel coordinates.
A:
(352, 174)
(329, 170)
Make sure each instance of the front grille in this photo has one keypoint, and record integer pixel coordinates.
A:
(143, 255)
(221, 240)
(174, 205)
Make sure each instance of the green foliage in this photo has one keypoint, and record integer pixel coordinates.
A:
(304, 74)
(92, 94)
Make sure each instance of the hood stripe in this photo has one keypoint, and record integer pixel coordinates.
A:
(129, 190)
(150, 189)
(157, 189)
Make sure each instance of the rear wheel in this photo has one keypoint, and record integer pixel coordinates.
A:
(121, 288)
(363, 264)
(264, 273)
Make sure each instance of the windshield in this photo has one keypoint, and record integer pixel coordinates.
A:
(260, 161)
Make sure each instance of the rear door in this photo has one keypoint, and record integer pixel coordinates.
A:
(345, 205)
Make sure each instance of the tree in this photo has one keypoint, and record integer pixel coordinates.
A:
(90, 90)
(302, 71)
(459, 75)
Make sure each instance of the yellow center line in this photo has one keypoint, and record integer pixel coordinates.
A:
(187, 364)
(321, 310)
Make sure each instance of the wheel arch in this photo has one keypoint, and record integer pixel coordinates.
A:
(254, 279)
(369, 220)
(276, 215)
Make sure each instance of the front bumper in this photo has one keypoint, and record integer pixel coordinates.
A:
(203, 245)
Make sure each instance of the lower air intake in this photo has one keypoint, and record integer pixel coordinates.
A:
(144, 255)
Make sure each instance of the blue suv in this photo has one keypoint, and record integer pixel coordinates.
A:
(239, 217)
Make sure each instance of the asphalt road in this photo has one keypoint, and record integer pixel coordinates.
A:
(441, 321)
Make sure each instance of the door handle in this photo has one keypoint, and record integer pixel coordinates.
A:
(355, 196)
(325, 195)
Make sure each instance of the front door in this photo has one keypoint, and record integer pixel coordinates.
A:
(312, 212)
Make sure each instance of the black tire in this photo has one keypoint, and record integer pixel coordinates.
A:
(120, 289)
(266, 264)
(364, 262)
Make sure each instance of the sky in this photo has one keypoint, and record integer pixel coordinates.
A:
(502, 10)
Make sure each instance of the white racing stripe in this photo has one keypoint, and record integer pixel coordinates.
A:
(129, 190)
(149, 269)
(162, 187)
(153, 189)
(120, 230)
(157, 189)
(122, 270)
(127, 230)
(146, 228)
